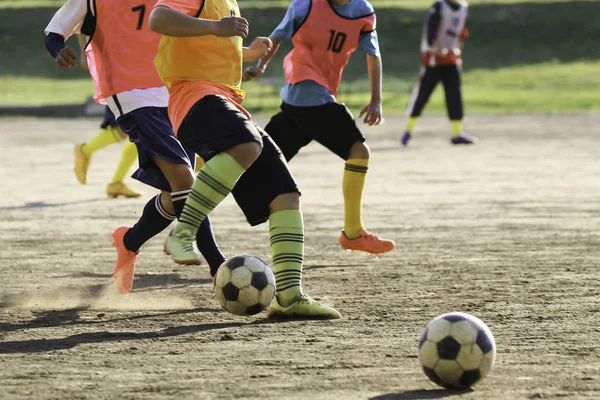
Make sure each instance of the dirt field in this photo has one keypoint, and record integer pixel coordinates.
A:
(506, 230)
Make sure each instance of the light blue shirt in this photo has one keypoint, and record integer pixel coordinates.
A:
(310, 93)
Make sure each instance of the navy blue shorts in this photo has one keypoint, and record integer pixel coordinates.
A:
(213, 125)
(109, 119)
(150, 129)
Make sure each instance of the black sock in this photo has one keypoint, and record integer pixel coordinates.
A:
(205, 238)
(154, 220)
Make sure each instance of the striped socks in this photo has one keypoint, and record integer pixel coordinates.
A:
(355, 173)
(154, 220)
(287, 248)
(212, 184)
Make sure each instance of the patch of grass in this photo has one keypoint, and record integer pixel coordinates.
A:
(518, 58)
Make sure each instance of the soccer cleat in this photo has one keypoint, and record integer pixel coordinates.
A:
(405, 138)
(125, 267)
(180, 246)
(463, 138)
(302, 307)
(366, 242)
(82, 163)
(115, 190)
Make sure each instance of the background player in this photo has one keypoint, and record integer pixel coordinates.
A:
(110, 133)
(120, 57)
(325, 33)
(441, 48)
(200, 60)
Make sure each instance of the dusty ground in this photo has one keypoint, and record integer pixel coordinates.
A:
(506, 230)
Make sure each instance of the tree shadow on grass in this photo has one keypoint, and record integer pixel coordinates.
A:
(421, 394)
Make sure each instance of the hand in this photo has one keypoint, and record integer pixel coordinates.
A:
(66, 58)
(260, 47)
(373, 113)
(251, 73)
(232, 26)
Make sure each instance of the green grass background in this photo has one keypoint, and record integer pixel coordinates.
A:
(535, 56)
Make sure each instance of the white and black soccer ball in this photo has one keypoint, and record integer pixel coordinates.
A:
(245, 285)
(457, 350)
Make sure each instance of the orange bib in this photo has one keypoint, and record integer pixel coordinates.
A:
(323, 45)
(122, 48)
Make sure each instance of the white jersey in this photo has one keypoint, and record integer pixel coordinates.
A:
(452, 23)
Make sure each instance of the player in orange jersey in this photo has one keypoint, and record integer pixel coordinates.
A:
(200, 60)
(441, 50)
(110, 133)
(324, 34)
(120, 55)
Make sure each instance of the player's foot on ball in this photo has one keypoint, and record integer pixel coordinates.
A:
(463, 138)
(405, 138)
(180, 246)
(115, 190)
(125, 267)
(302, 307)
(366, 242)
(82, 163)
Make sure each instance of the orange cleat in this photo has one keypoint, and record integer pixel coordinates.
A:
(366, 242)
(125, 267)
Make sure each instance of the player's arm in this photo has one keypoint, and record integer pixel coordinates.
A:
(66, 22)
(434, 19)
(373, 112)
(291, 22)
(82, 41)
(169, 22)
(260, 47)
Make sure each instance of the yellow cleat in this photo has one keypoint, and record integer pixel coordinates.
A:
(82, 163)
(303, 307)
(120, 189)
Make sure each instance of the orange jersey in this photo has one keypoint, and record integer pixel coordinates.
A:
(195, 67)
(323, 46)
(121, 48)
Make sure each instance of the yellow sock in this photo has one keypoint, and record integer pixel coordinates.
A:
(410, 124)
(104, 138)
(199, 163)
(355, 173)
(128, 157)
(457, 128)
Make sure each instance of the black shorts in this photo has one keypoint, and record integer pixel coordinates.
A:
(150, 129)
(109, 119)
(331, 125)
(213, 125)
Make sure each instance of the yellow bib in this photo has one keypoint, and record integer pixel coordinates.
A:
(204, 58)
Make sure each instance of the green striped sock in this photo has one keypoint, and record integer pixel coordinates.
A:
(212, 184)
(287, 248)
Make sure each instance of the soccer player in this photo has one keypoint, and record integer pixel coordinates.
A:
(441, 47)
(120, 56)
(110, 133)
(200, 60)
(325, 33)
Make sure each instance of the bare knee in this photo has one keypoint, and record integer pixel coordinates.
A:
(285, 201)
(180, 177)
(360, 150)
(167, 202)
(245, 153)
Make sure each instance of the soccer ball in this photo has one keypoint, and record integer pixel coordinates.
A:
(457, 350)
(245, 285)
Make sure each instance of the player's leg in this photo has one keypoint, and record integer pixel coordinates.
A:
(83, 151)
(421, 93)
(117, 187)
(229, 143)
(267, 191)
(165, 165)
(334, 126)
(452, 89)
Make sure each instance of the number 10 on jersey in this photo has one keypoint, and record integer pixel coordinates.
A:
(336, 41)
